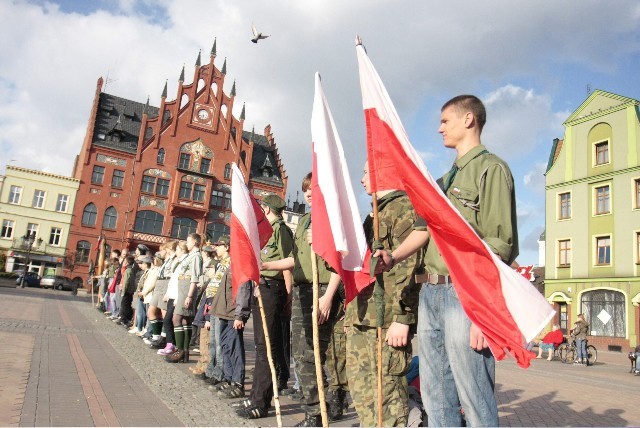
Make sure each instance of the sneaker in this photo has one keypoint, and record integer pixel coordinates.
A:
(168, 349)
(242, 404)
(252, 412)
(107, 314)
(133, 331)
(234, 391)
(158, 344)
(147, 341)
(212, 381)
(220, 386)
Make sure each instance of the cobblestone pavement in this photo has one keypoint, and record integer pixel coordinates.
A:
(64, 364)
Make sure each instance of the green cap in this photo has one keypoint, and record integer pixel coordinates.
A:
(223, 240)
(274, 202)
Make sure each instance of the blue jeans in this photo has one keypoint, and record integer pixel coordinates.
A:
(581, 347)
(141, 315)
(232, 342)
(216, 366)
(452, 375)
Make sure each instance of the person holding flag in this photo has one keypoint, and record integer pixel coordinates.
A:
(397, 219)
(480, 186)
(275, 289)
(301, 320)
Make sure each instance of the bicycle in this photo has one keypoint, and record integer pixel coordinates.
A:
(568, 351)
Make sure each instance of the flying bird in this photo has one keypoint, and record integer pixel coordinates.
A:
(256, 35)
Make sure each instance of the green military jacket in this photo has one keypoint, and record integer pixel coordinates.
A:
(397, 220)
(278, 247)
(302, 273)
(483, 192)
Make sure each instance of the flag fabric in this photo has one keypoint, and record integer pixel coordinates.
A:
(97, 247)
(338, 236)
(505, 306)
(250, 231)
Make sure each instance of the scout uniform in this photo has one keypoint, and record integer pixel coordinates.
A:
(397, 219)
(274, 297)
(301, 319)
(480, 186)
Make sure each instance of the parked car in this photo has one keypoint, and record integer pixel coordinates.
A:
(32, 279)
(56, 281)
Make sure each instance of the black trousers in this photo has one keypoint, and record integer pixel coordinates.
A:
(126, 311)
(274, 297)
(167, 322)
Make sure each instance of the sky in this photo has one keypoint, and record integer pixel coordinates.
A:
(532, 63)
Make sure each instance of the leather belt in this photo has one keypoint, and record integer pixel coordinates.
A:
(184, 276)
(433, 278)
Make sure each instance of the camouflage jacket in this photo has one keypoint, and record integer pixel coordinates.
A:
(397, 219)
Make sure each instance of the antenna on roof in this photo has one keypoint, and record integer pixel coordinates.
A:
(107, 81)
(588, 89)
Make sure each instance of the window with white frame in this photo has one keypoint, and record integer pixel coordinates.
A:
(15, 193)
(55, 236)
(603, 250)
(32, 229)
(38, 198)
(602, 201)
(61, 204)
(7, 229)
(564, 252)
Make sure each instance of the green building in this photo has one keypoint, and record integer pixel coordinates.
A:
(36, 209)
(593, 220)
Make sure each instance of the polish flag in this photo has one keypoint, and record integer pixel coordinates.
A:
(338, 236)
(505, 306)
(250, 231)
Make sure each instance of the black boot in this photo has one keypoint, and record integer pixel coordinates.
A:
(337, 404)
(310, 421)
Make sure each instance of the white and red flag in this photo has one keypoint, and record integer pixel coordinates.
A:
(338, 236)
(504, 305)
(250, 231)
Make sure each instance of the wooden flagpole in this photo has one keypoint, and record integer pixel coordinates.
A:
(376, 237)
(316, 342)
(274, 379)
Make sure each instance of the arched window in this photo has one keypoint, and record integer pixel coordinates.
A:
(110, 218)
(160, 157)
(216, 230)
(604, 310)
(82, 251)
(149, 222)
(89, 215)
(183, 226)
(227, 171)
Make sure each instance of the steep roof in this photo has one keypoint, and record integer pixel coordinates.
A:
(263, 156)
(118, 122)
(118, 125)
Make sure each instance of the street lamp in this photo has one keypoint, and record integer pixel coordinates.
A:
(27, 244)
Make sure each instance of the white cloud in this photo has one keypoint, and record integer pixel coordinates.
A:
(534, 179)
(51, 61)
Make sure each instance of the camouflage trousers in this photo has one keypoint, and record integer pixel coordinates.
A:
(303, 350)
(362, 374)
(337, 355)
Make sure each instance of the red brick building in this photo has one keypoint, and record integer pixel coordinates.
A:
(148, 174)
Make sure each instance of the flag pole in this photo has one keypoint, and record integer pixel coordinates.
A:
(316, 341)
(379, 301)
(274, 380)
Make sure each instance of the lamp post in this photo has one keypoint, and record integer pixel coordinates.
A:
(27, 244)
